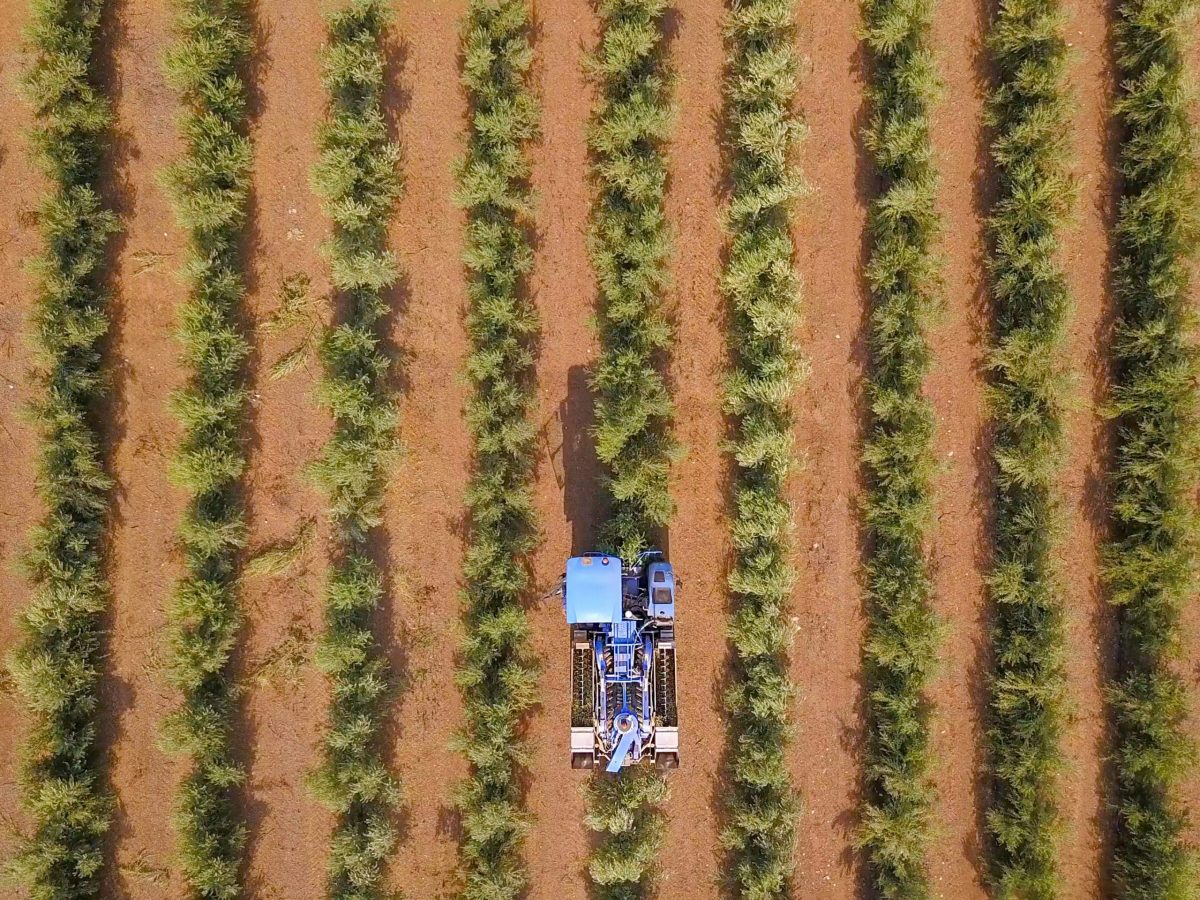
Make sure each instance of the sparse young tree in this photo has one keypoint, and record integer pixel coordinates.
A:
(496, 674)
(57, 665)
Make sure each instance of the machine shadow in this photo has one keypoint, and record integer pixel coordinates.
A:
(576, 468)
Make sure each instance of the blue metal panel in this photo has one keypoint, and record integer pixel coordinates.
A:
(593, 590)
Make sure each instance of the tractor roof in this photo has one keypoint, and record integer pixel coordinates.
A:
(594, 590)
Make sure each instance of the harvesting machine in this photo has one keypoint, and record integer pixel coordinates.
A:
(622, 621)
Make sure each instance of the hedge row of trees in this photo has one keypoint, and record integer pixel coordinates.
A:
(763, 293)
(903, 273)
(629, 246)
(1030, 115)
(1150, 564)
(209, 188)
(357, 178)
(496, 673)
(57, 666)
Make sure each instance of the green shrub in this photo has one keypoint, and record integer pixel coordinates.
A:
(496, 674)
(358, 181)
(1150, 564)
(763, 292)
(902, 636)
(57, 665)
(629, 245)
(209, 188)
(1030, 114)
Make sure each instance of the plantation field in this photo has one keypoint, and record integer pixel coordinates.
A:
(425, 531)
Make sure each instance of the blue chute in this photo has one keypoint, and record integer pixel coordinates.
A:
(622, 750)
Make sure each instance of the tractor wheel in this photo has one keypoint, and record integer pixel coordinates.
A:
(665, 761)
(582, 760)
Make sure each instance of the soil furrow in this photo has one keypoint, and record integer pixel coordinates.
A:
(21, 185)
(566, 490)
(425, 513)
(955, 385)
(283, 708)
(691, 860)
(828, 599)
(1090, 626)
(145, 560)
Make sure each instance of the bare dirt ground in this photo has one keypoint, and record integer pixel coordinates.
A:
(423, 539)
(21, 187)
(955, 387)
(827, 604)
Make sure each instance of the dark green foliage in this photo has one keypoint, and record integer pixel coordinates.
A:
(901, 646)
(1150, 564)
(629, 245)
(209, 187)
(57, 665)
(496, 675)
(358, 181)
(763, 293)
(1029, 113)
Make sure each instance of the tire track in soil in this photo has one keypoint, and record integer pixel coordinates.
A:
(1086, 783)
(145, 562)
(22, 186)
(425, 512)
(826, 655)
(960, 540)
(566, 488)
(283, 710)
(692, 858)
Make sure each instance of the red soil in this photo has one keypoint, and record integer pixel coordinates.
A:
(422, 542)
(21, 186)
(828, 606)
(955, 386)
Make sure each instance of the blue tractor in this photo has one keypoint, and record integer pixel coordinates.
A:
(622, 621)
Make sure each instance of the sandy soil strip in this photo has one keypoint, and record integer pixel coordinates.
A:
(955, 385)
(828, 603)
(145, 562)
(425, 511)
(1087, 779)
(284, 707)
(566, 491)
(692, 858)
(21, 185)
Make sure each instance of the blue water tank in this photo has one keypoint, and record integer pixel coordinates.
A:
(593, 590)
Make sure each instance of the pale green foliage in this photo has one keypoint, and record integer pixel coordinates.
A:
(209, 188)
(496, 675)
(56, 667)
(763, 293)
(901, 647)
(1030, 114)
(358, 181)
(1151, 563)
